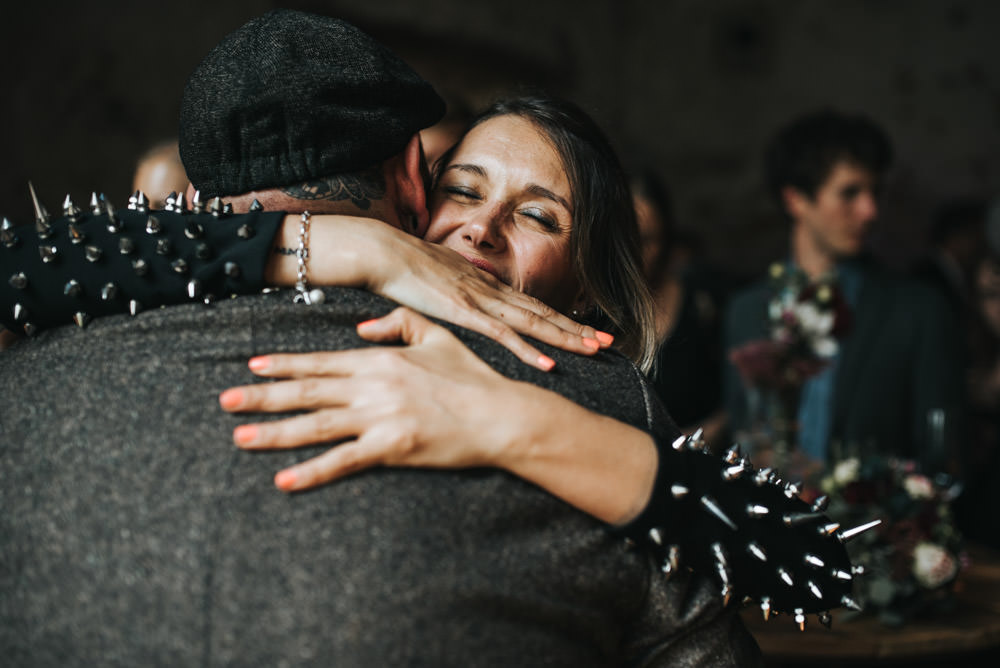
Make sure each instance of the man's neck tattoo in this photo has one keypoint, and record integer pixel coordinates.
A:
(361, 188)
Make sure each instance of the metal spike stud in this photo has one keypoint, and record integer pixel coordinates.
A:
(800, 619)
(813, 560)
(30, 329)
(732, 454)
(820, 504)
(227, 209)
(20, 312)
(134, 306)
(180, 266)
(81, 319)
(656, 536)
(153, 225)
(109, 292)
(140, 267)
(793, 489)
(674, 557)
(732, 472)
(757, 551)
(825, 618)
(170, 201)
(202, 251)
(114, 222)
(678, 491)
(138, 201)
(215, 206)
(194, 230)
(194, 290)
(697, 441)
(757, 510)
(842, 575)
(850, 603)
(72, 288)
(196, 204)
(709, 504)
(126, 246)
(7, 234)
(727, 594)
(814, 589)
(18, 281)
(785, 576)
(765, 607)
(845, 536)
(232, 270)
(48, 253)
(255, 205)
(719, 553)
(828, 529)
(71, 210)
(798, 519)
(42, 226)
(245, 232)
(92, 253)
(179, 204)
(859, 570)
(95, 204)
(164, 247)
(76, 235)
(679, 442)
(762, 477)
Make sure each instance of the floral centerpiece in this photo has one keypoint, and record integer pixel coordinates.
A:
(806, 320)
(914, 557)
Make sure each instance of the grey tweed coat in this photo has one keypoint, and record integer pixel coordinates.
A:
(133, 533)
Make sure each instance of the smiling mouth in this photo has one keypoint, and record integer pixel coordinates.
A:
(484, 265)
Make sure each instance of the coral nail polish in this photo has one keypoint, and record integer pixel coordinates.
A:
(546, 362)
(245, 434)
(367, 322)
(593, 344)
(231, 399)
(605, 338)
(285, 480)
(259, 363)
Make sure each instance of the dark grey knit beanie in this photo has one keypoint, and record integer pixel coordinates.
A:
(293, 96)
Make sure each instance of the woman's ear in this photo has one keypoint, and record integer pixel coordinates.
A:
(410, 177)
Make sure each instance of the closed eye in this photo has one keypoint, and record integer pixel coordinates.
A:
(541, 218)
(462, 192)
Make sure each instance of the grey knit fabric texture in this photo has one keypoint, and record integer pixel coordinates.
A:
(292, 96)
(133, 533)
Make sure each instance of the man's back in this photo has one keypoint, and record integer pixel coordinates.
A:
(133, 532)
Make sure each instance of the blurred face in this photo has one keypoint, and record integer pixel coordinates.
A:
(504, 203)
(837, 220)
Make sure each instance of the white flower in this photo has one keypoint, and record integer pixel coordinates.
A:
(918, 486)
(847, 471)
(933, 566)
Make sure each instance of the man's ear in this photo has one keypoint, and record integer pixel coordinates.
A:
(410, 177)
(796, 202)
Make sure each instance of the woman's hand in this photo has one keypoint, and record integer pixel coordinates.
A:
(437, 281)
(435, 404)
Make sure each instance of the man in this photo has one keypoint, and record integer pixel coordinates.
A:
(133, 534)
(897, 376)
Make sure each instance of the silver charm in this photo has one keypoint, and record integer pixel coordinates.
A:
(92, 253)
(196, 204)
(140, 267)
(126, 246)
(72, 288)
(194, 230)
(255, 205)
(81, 319)
(757, 510)
(194, 288)
(180, 266)
(813, 560)
(153, 225)
(232, 270)
(245, 232)
(18, 281)
(315, 296)
(134, 307)
(42, 217)
(845, 536)
(48, 253)
(678, 491)
(7, 234)
(20, 312)
(71, 210)
(798, 519)
(709, 504)
(811, 586)
(164, 247)
(800, 619)
(109, 292)
(757, 551)
(785, 577)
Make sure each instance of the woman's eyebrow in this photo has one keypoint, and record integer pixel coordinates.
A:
(473, 169)
(542, 191)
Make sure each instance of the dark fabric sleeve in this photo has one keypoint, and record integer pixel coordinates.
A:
(99, 264)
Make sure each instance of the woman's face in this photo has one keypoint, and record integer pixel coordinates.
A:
(504, 203)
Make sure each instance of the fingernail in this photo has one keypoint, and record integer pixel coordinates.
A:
(285, 480)
(593, 344)
(546, 362)
(231, 399)
(245, 434)
(604, 338)
(259, 363)
(367, 322)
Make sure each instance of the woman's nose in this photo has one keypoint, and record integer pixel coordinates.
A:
(485, 231)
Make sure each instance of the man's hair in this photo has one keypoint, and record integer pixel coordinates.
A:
(804, 152)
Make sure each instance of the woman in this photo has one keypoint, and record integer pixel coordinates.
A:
(533, 196)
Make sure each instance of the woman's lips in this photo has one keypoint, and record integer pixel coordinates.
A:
(484, 265)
